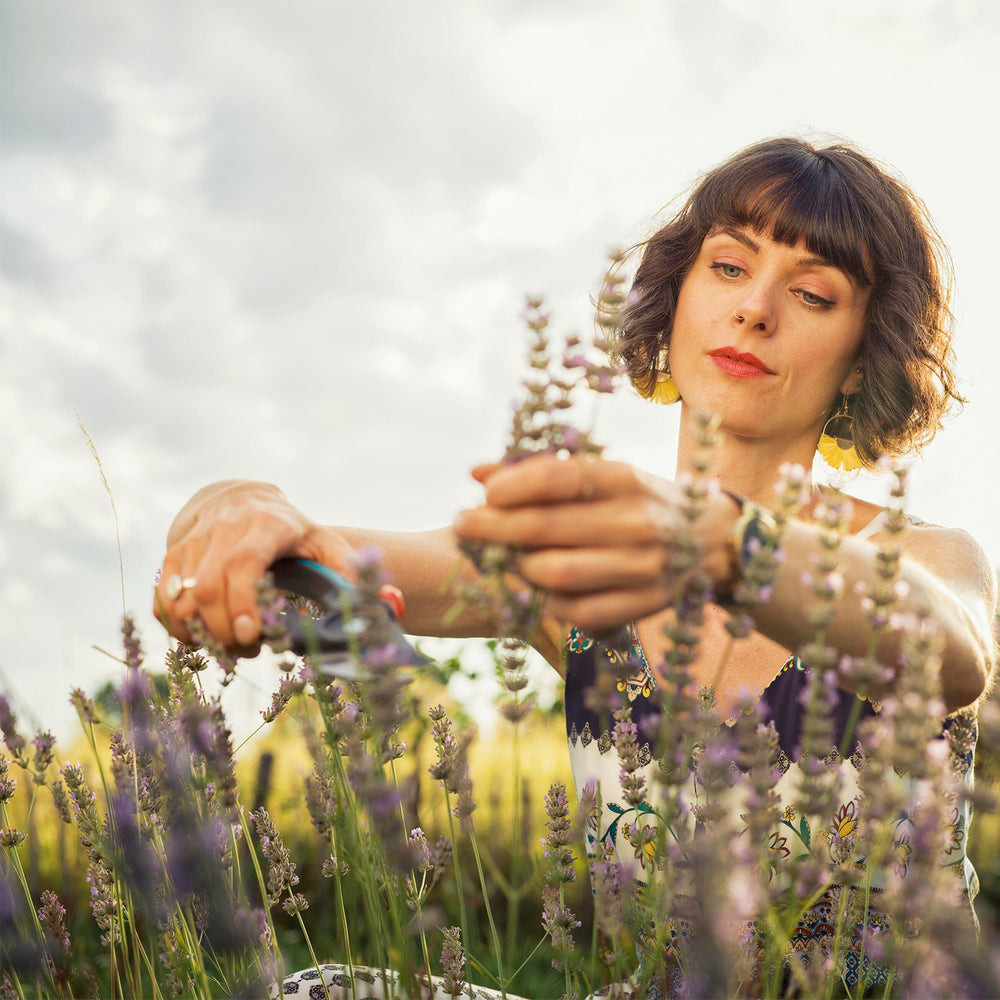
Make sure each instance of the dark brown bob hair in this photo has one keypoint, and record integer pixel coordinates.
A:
(851, 211)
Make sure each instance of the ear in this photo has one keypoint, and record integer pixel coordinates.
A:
(852, 383)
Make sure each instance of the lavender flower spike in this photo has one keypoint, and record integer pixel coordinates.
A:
(453, 961)
(556, 844)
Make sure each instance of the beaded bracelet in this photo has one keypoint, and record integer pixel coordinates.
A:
(754, 528)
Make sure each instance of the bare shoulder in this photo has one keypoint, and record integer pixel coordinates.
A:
(954, 556)
(951, 554)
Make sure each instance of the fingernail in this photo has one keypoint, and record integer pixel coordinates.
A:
(244, 630)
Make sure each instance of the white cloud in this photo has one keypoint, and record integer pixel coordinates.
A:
(292, 243)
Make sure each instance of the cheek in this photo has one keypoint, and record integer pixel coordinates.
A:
(687, 318)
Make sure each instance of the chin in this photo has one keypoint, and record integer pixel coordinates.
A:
(736, 415)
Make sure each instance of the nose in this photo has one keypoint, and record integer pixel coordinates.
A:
(756, 312)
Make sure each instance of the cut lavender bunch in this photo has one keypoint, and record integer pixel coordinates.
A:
(515, 703)
(540, 426)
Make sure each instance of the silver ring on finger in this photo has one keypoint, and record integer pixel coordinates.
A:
(177, 584)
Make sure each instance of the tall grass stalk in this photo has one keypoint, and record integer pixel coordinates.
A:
(114, 509)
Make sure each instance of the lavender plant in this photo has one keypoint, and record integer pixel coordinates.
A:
(718, 866)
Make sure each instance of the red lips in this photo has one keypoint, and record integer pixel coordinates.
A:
(739, 363)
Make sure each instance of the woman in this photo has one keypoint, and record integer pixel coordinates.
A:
(798, 285)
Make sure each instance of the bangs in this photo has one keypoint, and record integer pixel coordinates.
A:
(793, 199)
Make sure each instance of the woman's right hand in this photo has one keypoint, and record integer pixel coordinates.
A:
(221, 544)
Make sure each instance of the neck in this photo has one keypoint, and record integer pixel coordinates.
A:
(746, 466)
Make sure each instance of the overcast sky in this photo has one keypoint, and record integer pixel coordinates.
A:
(290, 242)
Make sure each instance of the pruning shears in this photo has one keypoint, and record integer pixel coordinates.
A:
(338, 635)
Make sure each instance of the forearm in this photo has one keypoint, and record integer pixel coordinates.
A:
(966, 654)
(424, 565)
(601, 539)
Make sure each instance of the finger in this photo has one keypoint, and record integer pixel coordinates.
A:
(253, 555)
(172, 609)
(608, 609)
(547, 479)
(627, 521)
(201, 562)
(484, 470)
(328, 548)
(582, 571)
(220, 563)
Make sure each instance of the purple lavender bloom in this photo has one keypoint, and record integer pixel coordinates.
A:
(453, 961)
(556, 843)
(136, 697)
(133, 646)
(52, 915)
(281, 875)
(7, 785)
(8, 726)
(11, 838)
(84, 706)
(140, 862)
(197, 726)
(420, 849)
(559, 922)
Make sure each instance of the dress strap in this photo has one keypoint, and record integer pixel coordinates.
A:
(873, 527)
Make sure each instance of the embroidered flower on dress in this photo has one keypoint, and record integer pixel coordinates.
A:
(643, 841)
(779, 845)
(638, 684)
(789, 813)
(845, 822)
(954, 834)
(577, 641)
(901, 852)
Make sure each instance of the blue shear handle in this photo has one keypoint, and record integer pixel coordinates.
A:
(336, 596)
(319, 584)
(332, 574)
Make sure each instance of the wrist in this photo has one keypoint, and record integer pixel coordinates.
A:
(725, 568)
(753, 543)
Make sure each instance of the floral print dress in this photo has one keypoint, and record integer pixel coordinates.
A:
(594, 760)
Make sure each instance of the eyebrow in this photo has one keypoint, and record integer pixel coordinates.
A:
(751, 244)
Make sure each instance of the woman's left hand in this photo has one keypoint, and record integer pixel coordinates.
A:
(598, 535)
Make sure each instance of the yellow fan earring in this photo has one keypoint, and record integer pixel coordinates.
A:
(665, 389)
(836, 443)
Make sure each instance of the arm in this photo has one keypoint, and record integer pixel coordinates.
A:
(227, 535)
(598, 536)
(222, 542)
(422, 564)
(948, 578)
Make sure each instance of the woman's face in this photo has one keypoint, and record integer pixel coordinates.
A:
(765, 335)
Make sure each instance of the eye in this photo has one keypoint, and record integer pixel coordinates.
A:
(727, 270)
(812, 299)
